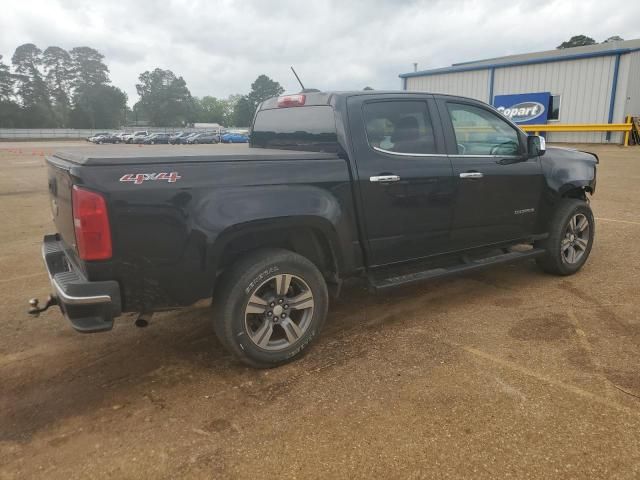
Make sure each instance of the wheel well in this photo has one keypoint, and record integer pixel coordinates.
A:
(579, 193)
(309, 242)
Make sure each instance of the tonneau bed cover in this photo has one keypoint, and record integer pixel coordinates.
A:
(158, 154)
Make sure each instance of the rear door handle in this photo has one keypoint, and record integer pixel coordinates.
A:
(471, 175)
(384, 178)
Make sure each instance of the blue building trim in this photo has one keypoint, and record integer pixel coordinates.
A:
(532, 61)
(492, 75)
(614, 88)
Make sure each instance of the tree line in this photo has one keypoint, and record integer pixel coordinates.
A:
(165, 100)
(584, 40)
(56, 88)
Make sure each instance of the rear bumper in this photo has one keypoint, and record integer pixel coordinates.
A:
(89, 306)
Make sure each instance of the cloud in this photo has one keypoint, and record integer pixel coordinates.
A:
(220, 47)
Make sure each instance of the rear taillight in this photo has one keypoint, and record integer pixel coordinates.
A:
(291, 100)
(91, 222)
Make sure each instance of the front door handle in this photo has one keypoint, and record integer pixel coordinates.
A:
(471, 175)
(384, 178)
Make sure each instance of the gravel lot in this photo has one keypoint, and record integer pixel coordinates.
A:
(508, 373)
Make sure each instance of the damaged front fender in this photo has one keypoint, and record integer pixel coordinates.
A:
(568, 169)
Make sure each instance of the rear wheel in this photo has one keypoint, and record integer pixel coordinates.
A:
(270, 307)
(570, 238)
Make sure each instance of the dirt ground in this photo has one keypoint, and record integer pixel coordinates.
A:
(508, 373)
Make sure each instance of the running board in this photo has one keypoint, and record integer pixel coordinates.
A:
(380, 284)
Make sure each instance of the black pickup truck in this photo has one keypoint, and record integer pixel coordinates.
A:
(392, 187)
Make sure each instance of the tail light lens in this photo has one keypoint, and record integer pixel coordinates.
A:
(297, 100)
(91, 223)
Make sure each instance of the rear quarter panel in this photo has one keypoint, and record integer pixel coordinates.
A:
(166, 235)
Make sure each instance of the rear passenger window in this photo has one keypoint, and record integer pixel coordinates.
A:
(399, 127)
(481, 132)
(311, 128)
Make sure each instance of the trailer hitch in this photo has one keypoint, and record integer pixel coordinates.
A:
(36, 310)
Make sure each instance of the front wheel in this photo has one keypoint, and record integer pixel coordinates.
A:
(270, 306)
(570, 240)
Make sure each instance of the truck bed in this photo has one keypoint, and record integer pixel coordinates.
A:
(159, 154)
(169, 237)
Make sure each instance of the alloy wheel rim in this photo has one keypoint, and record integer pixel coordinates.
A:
(279, 312)
(576, 239)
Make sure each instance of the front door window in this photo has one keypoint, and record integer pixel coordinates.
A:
(481, 132)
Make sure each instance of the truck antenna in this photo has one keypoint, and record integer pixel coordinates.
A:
(297, 77)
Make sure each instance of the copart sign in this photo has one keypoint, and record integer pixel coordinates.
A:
(524, 108)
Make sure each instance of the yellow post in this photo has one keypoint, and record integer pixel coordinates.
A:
(626, 134)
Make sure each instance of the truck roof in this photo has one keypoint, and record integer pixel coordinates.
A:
(130, 154)
(324, 98)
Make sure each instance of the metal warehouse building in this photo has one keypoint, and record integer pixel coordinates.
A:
(582, 85)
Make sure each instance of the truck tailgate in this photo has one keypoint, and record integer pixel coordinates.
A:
(60, 190)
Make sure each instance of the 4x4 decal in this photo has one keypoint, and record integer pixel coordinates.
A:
(138, 178)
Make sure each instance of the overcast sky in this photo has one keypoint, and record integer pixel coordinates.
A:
(221, 46)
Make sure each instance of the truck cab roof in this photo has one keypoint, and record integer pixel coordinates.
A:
(327, 98)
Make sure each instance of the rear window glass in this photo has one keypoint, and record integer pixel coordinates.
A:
(296, 128)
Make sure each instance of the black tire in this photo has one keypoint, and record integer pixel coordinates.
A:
(556, 261)
(250, 277)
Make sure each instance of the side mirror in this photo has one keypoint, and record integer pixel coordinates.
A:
(536, 145)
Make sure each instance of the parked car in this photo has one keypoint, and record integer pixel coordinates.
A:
(179, 138)
(192, 138)
(173, 135)
(185, 139)
(405, 187)
(109, 138)
(105, 138)
(208, 137)
(235, 138)
(156, 138)
(140, 138)
(92, 138)
(129, 138)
